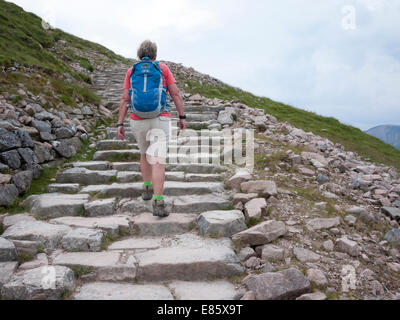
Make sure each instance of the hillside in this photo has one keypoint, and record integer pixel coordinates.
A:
(387, 133)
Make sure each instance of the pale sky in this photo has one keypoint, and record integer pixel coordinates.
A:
(339, 58)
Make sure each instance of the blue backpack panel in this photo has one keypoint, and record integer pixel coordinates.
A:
(148, 94)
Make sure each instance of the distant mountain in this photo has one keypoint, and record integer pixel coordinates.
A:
(387, 133)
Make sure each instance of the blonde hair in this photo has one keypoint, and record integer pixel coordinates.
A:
(147, 49)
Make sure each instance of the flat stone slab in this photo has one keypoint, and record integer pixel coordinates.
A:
(93, 165)
(103, 291)
(320, 224)
(190, 258)
(394, 213)
(113, 225)
(198, 177)
(305, 255)
(49, 235)
(116, 154)
(137, 244)
(107, 266)
(9, 221)
(262, 233)
(148, 225)
(83, 239)
(111, 145)
(197, 168)
(7, 251)
(211, 291)
(7, 269)
(132, 176)
(71, 188)
(86, 177)
(285, 285)
(200, 203)
(188, 168)
(262, 187)
(101, 208)
(44, 283)
(54, 205)
(134, 190)
(126, 166)
(221, 223)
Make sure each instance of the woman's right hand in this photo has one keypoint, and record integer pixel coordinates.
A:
(121, 133)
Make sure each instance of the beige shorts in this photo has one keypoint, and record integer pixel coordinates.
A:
(152, 136)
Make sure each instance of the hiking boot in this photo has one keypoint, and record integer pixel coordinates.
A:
(147, 194)
(160, 209)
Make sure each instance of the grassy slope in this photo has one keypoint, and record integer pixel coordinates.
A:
(24, 40)
(350, 137)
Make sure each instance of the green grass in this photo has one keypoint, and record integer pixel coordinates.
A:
(81, 271)
(24, 40)
(350, 137)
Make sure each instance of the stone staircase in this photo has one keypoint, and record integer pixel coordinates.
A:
(98, 225)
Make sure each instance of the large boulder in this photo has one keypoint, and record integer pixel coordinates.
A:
(83, 239)
(11, 158)
(8, 140)
(7, 251)
(44, 153)
(261, 234)
(8, 194)
(321, 223)
(255, 208)
(285, 285)
(221, 223)
(41, 126)
(65, 132)
(23, 181)
(44, 283)
(261, 187)
(393, 237)
(49, 235)
(25, 138)
(7, 270)
(67, 147)
(348, 246)
(28, 156)
(240, 177)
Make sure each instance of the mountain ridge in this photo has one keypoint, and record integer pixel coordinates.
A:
(389, 134)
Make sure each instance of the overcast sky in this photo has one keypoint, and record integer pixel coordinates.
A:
(337, 58)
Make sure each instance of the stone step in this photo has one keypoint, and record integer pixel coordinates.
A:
(132, 176)
(106, 291)
(104, 145)
(86, 177)
(183, 290)
(140, 243)
(54, 205)
(132, 155)
(105, 266)
(93, 165)
(134, 190)
(194, 204)
(117, 155)
(71, 188)
(116, 225)
(147, 225)
(135, 166)
(189, 258)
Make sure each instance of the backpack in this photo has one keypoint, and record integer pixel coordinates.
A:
(148, 94)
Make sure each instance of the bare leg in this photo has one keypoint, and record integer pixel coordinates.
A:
(158, 174)
(146, 168)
